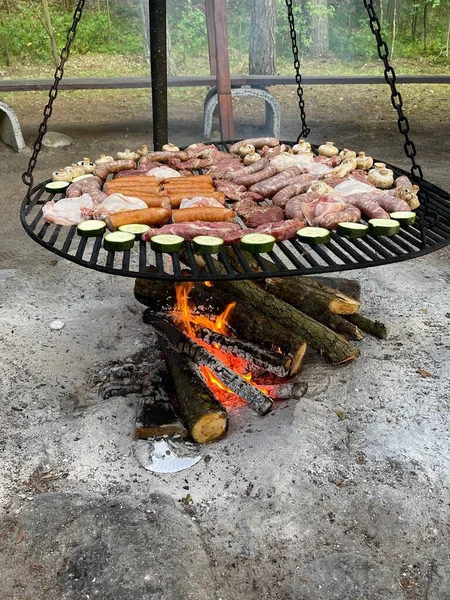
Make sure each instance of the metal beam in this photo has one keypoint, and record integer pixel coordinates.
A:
(158, 62)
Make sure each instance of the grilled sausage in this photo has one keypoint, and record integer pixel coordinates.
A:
(299, 185)
(268, 188)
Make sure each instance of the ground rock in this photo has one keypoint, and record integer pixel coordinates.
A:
(74, 546)
(53, 139)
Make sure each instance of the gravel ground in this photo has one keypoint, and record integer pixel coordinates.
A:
(299, 505)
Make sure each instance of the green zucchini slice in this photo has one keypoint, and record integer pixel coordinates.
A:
(314, 235)
(384, 227)
(91, 228)
(56, 187)
(352, 230)
(405, 218)
(80, 177)
(205, 244)
(118, 241)
(166, 243)
(257, 242)
(135, 228)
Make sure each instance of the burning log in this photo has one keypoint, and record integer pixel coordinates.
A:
(155, 415)
(249, 325)
(237, 384)
(204, 417)
(261, 360)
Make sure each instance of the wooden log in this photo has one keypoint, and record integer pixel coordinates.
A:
(375, 328)
(155, 416)
(321, 338)
(205, 418)
(349, 287)
(248, 324)
(311, 297)
(202, 357)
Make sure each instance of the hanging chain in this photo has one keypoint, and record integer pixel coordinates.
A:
(298, 78)
(27, 177)
(396, 97)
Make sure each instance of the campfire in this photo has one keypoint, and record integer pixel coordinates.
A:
(237, 343)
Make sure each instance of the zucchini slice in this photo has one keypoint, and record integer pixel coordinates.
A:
(118, 241)
(352, 230)
(91, 228)
(257, 242)
(405, 218)
(136, 229)
(384, 227)
(166, 243)
(56, 187)
(80, 177)
(205, 244)
(314, 235)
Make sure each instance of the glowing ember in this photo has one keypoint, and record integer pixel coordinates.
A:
(191, 323)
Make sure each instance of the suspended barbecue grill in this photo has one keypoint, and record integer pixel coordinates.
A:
(430, 232)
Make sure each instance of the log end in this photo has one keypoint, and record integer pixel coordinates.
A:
(209, 428)
(297, 359)
(343, 305)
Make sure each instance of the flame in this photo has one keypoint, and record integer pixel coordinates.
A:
(191, 324)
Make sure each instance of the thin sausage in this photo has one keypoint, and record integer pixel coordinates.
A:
(299, 185)
(104, 169)
(275, 183)
(253, 178)
(145, 216)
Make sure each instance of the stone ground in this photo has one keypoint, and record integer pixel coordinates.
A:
(299, 505)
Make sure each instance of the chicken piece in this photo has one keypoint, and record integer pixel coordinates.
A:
(68, 211)
(315, 210)
(116, 203)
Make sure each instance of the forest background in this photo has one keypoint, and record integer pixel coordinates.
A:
(334, 36)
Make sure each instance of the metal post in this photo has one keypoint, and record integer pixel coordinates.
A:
(158, 61)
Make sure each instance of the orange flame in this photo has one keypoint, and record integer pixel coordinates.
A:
(191, 323)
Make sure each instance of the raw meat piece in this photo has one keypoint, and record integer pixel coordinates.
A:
(315, 210)
(229, 232)
(163, 173)
(91, 186)
(263, 215)
(232, 191)
(283, 230)
(293, 209)
(299, 185)
(351, 186)
(368, 207)
(200, 201)
(284, 161)
(116, 203)
(316, 169)
(350, 214)
(244, 208)
(267, 152)
(269, 187)
(224, 166)
(141, 170)
(332, 162)
(191, 164)
(68, 211)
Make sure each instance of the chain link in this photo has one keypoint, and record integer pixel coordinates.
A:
(298, 78)
(396, 97)
(27, 177)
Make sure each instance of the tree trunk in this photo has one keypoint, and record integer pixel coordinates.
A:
(108, 14)
(319, 28)
(8, 7)
(448, 37)
(426, 8)
(171, 68)
(262, 38)
(414, 22)
(5, 43)
(394, 29)
(49, 29)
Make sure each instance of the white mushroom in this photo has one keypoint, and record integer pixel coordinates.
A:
(127, 154)
(302, 147)
(251, 158)
(346, 153)
(364, 162)
(381, 177)
(170, 148)
(62, 175)
(346, 167)
(246, 149)
(103, 159)
(328, 149)
(86, 164)
(143, 151)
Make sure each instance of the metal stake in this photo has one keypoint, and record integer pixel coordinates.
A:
(158, 61)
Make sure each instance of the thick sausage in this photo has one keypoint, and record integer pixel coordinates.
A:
(189, 178)
(383, 199)
(145, 216)
(162, 157)
(274, 184)
(253, 178)
(257, 142)
(104, 169)
(176, 198)
(299, 185)
(204, 213)
(367, 206)
(259, 165)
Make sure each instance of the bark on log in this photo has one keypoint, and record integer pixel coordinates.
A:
(249, 325)
(375, 328)
(324, 340)
(204, 417)
(349, 287)
(311, 297)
